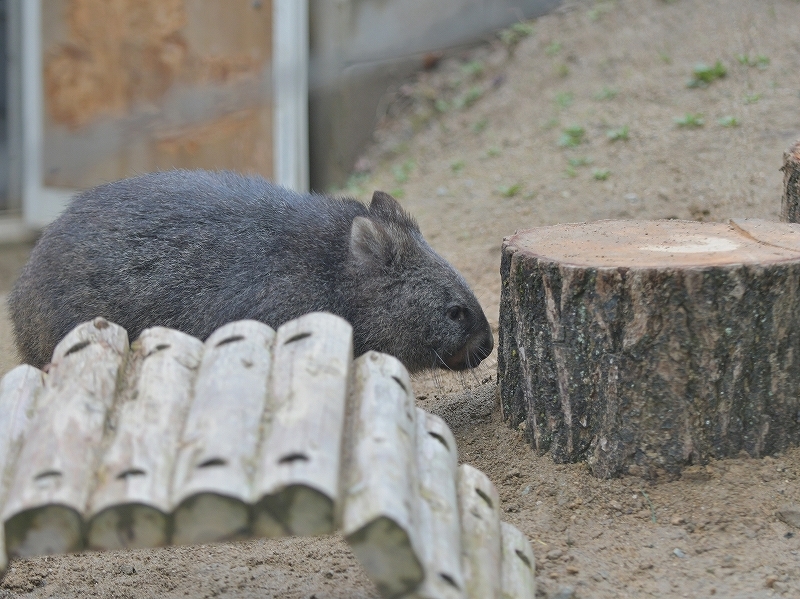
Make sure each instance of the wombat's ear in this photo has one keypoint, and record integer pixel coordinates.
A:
(386, 207)
(370, 243)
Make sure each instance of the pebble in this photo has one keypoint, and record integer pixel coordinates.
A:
(554, 554)
(677, 521)
(678, 552)
(790, 513)
(564, 593)
(572, 569)
(127, 569)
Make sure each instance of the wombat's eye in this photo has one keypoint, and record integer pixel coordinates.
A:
(456, 313)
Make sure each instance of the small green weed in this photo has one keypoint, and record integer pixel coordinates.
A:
(570, 172)
(562, 70)
(690, 120)
(601, 174)
(571, 136)
(752, 98)
(512, 35)
(580, 161)
(441, 105)
(564, 99)
(479, 125)
(401, 172)
(607, 93)
(493, 152)
(704, 74)
(552, 48)
(474, 68)
(728, 121)
(471, 96)
(618, 134)
(509, 191)
(457, 166)
(760, 61)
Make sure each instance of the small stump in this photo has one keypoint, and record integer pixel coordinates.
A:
(790, 204)
(647, 346)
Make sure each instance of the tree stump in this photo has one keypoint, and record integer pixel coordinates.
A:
(647, 346)
(790, 206)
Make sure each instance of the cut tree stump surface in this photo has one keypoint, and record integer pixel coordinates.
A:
(647, 346)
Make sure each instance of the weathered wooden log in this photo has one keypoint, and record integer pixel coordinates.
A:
(381, 483)
(438, 523)
(790, 204)
(645, 346)
(519, 565)
(299, 461)
(19, 391)
(130, 506)
(51, 483)
(481, 543)
(214, 470)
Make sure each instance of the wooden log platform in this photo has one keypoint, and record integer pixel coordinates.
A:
(254, 433)
(646, 346)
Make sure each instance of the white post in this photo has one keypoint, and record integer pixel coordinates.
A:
(40, 205)
(290, 93)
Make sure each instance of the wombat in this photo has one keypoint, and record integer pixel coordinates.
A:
(193, 250)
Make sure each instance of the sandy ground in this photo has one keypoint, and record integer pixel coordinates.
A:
(475, 148)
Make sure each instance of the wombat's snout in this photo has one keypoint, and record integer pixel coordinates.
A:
(479, 342)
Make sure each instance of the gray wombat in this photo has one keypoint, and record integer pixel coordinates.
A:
(193, 250)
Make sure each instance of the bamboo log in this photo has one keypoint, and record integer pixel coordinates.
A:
(19, 391)
(50, 486)
(480, 533)
(213, 483)
(645, 346)
(297, 481)
(790, 204)
(438, 519)
(381, 484)
(518, 577)
(130, 505)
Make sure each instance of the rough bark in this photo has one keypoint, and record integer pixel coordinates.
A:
(790, 205)
(519, 564)
(481, 542)
(437, 513)
(298, 463)
(644, 347)
(380, 488)
(215, 466)
(57, 463)
(130, 505)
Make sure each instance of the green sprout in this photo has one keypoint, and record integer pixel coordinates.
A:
(515, 33)
(728, 121)
(580, 161)
(690, 120)
(493, 152)
(480, 125)
(571, 136)
(601, 174)
(760, 61)
(618, 134)
(457, 166)
(402, 171)
(752, 98)
(509, 191)
(474, 68)
(704, 74)
(564, 99)
(552, 48)
(607, 93)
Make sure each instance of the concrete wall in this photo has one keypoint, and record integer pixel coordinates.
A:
(361, 48)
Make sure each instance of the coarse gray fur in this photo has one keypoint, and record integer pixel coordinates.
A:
(193, 250)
